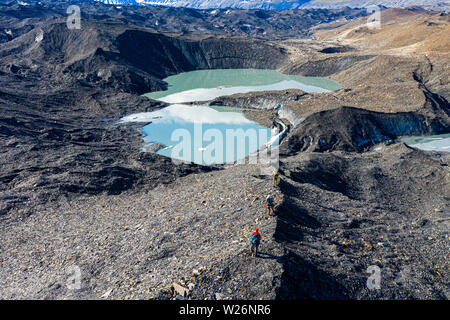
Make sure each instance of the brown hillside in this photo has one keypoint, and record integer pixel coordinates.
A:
(402, 32)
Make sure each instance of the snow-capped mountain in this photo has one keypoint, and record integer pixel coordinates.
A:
(280, 4)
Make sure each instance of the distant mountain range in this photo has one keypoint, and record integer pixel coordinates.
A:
(283, 5)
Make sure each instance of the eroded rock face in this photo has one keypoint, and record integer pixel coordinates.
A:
(328, 66)
(352, 129)
(129, 59)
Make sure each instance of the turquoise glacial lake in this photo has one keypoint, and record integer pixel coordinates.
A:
(430, 143)
(202, 134)
(215, 135)
(203, 85)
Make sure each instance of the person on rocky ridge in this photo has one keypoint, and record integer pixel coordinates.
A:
(275, 177)
(269, 203)
(255, 240)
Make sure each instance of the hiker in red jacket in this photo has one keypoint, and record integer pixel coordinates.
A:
(255, 239)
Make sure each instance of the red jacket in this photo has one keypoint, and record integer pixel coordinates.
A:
(259, 234)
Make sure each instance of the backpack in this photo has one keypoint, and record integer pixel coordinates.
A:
(269, 200)
(254, 240)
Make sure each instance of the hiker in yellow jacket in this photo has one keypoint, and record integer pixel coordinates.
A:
(275, 177)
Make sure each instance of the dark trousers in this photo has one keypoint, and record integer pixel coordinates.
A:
(254, 248)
